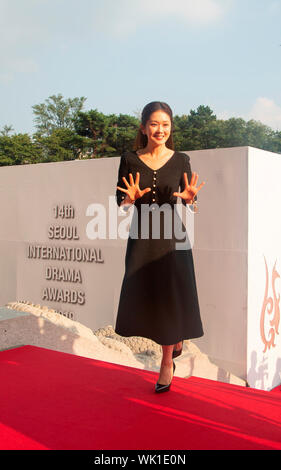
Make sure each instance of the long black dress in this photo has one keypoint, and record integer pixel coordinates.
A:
(158, 298)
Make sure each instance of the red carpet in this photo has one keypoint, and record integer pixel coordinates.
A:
(52, 400)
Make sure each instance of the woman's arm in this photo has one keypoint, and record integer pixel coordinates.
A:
(122, 198)
(186, 169)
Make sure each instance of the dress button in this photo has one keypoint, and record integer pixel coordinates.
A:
(154, 185)
(153, 192)
(153, 200)
(154, 172)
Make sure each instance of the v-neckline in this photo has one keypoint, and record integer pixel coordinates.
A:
(152, 169)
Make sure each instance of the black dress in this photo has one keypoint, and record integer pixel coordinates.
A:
(158, 298)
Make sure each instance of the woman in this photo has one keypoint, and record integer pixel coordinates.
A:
(158, 298)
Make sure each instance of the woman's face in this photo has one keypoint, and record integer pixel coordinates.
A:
(157, 128)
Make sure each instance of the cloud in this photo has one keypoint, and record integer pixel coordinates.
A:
(31, 26)
(28, 26)
(199, 11)
(124, 17)
(19, 30)
(263, 109)
(11, 66)
(274, 7)
(266, 111)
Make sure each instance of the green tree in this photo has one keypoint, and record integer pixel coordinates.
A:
(200, 122)
(182, 133)
(56, 113)
(6, 130)
(122, 131)
(201, 117)
(234, 132)
(275, 142)
(65, 132)
(18, 149)
(62, 144)
(94, 126)
(259, 135)
(198, 130)
(110, 135)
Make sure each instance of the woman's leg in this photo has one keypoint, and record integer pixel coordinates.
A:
(178, 346)
(166, 370)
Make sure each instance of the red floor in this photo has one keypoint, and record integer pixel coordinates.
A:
(53, 400)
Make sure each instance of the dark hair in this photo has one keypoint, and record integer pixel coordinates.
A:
(141, 139)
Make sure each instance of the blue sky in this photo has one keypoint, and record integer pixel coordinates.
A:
(122, 54)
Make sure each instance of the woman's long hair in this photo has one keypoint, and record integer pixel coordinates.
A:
(141, 139)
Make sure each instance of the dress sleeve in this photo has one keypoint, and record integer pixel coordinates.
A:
(123, 171)
(186, 168)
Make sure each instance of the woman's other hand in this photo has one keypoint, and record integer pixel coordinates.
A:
(190, 190)
(133, 190)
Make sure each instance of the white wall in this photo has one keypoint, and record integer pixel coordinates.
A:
(220, 254)
(28, 194)
(264, 264)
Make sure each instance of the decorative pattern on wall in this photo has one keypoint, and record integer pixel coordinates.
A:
(269, 329)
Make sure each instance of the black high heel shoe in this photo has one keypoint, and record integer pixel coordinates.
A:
(176, 353)
(164, 388)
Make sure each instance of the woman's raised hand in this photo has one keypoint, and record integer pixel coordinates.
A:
(134, 192)
(190, 190)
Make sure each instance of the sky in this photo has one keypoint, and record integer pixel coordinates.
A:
(122, 54)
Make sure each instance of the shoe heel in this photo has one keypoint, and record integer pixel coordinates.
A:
(176, 353)
(164, 388)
